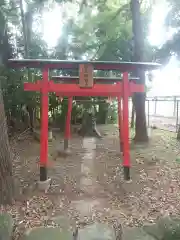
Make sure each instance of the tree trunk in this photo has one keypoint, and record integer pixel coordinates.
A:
(31, 111)
(139, 98)
(88, 127)
(103, 113)
(178, 133)
(132, 115)
(24, 29)
(6, 179)
(26, 20)
(141, 134)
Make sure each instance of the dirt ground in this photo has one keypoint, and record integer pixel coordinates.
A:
(88, 186)
(163, 122)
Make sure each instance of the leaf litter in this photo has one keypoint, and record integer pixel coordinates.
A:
(153, 192)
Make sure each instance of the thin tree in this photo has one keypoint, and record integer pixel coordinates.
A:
(26, 20)
(138, 56)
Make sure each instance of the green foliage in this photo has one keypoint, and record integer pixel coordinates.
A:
(97, 29)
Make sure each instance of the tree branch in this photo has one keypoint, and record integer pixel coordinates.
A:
(124, 7)
(119, 11)
(81, 6)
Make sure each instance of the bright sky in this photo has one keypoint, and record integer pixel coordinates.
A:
(52, 30)
(53, 22)
(52, 26)
(167, 81)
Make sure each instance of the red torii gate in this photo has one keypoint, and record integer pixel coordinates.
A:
(86, 87)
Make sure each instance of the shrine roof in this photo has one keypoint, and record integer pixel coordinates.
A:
(74, 64)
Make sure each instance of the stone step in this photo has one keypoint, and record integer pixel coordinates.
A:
(166, 229)
(61, 231)
(6, 226)
(105, 232)
(96, 231)
(136, 234)
(48, 233)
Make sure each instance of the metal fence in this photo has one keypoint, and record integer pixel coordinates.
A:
(163, 112)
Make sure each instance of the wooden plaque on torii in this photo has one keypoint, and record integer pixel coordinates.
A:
(86, 76)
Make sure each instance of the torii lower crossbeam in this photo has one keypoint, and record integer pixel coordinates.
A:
(74, 90)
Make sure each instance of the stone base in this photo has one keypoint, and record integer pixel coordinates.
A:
(149, 131)
(50, 136)
(64, 153)
(37, 136)
(126, 173)
(44, 185)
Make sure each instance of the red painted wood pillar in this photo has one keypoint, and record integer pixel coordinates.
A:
(126, 148)
(120, 123)
(68, 124)
(44, 126)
